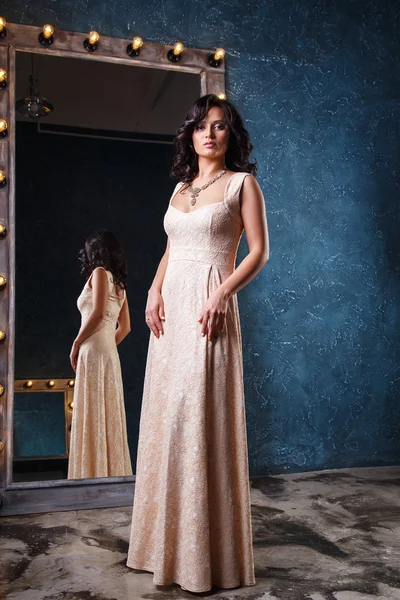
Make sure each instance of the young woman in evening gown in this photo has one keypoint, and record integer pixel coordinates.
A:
(191, 514)
(99, 445)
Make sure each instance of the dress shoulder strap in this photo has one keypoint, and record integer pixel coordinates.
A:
(232, 195)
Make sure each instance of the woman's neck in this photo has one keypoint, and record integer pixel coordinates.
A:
(208, 168)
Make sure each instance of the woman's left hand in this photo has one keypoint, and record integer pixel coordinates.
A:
(213, 316)
(73, 357)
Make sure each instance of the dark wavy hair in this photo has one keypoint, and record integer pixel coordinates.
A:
(102, 249)
(185, 164)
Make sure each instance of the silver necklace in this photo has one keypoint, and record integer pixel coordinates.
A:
(195, 191)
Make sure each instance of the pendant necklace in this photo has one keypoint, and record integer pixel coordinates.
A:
(195, 191)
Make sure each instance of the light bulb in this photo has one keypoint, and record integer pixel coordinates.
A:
(93, 37)
(178, 48)
(222, 96)
(3, 75)
(29, 384)
(3, 179)
(215, 60)
(3, 23)
(46, 35)
(90, 43)
(51, 383)
(3, 281)
(2, 335)
(137, 42)
(48, 31)
(174, 55)
(133, 49)
(71, 383)
(3, 128)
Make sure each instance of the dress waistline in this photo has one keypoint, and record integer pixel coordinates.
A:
(202, 255)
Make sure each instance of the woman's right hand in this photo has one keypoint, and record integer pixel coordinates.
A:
(73, 357)
(155, 312)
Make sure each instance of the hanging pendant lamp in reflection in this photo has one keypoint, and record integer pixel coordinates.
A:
(33, 105)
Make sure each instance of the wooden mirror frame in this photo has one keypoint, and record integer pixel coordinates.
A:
(43, 496)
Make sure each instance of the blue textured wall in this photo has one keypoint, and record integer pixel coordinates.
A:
(318, 85)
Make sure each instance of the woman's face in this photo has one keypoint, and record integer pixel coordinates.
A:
(211, 136)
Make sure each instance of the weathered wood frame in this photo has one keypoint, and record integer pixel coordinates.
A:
(21, 498)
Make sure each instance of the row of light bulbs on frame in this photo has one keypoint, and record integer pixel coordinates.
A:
(3, 134)
(50, 384)
(3, 279)
(3, 181)
(91, 43)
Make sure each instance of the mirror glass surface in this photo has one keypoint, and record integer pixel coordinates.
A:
(99, 158)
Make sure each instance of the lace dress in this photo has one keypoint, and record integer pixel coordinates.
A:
(99, 445)
(191, 515)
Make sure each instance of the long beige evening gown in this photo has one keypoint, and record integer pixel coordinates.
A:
(191, 515)
(99, 445)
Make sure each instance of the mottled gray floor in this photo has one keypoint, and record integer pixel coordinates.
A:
(333, 535)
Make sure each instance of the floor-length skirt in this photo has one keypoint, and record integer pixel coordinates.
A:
(191, 516)
(99, 445)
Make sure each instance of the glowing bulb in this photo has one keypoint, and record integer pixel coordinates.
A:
(2, 335)
(178, 48)
(2, 389)
(29, 384)
(3, 179)
(2, 228)
(137, 42)
(93, 37)
(222, 96)
(3, 75)
(71, 405)
(214, 60)
(3, 128)
(71, 383)
(51, 383)
(3, 281)
(2, 24)
(48, 31)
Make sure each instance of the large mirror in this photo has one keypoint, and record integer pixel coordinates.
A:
(98, 158)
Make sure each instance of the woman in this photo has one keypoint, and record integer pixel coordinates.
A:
(191, 514)
(99, 446)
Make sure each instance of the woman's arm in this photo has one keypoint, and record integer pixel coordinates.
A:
(124, 323)
(100, 295)
(155, 313)
(256, 229)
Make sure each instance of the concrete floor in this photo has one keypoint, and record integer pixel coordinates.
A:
(333, 535)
